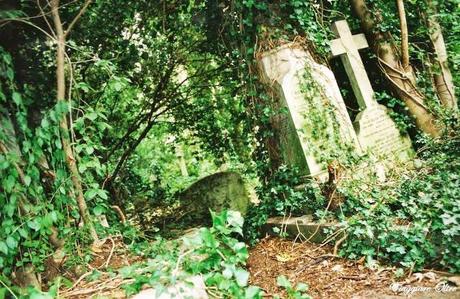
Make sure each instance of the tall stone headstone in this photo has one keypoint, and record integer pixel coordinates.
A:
(376, 131)
(308, 94)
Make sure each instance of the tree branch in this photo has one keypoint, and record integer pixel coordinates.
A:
(74, 21)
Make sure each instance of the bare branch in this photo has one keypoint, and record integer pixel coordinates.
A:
(80, 13)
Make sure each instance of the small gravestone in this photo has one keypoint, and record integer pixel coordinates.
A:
(310, 97)
(376, 131)
(216, 192)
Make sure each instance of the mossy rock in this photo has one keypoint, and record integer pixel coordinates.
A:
(216, 192)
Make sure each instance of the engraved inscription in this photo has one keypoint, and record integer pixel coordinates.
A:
(379, 133)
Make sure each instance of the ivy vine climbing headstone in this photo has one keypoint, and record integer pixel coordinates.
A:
(377, 132)
(310, 118)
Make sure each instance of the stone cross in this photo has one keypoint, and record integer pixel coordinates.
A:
(346, 46)
(376, 131)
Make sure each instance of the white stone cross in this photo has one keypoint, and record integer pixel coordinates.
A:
(346, 46)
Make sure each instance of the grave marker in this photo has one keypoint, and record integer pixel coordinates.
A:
(375, 128)
(283, 69)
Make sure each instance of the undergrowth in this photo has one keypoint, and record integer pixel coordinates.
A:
(413, 223)
(411, 220)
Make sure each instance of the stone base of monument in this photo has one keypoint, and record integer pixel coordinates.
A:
(303, 228)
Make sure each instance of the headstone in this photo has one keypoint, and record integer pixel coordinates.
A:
(376, 131)
(305, 90)
(222, 190)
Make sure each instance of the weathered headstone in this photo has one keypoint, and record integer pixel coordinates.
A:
(376, 130)
(305, 90)
(222, 190)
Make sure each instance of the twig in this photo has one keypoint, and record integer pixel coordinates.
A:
(119, 212)
(340, 241)
(79, 280)
(353, 277)
(46, 19)
(9, 290)
(106, 264)
(176, 268)
(404, 34)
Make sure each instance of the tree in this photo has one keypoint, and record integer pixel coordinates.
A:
(396, 67)
(60, 97)
(442, 77)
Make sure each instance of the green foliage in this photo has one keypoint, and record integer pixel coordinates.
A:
(415, 224)
(213, 252)
(225, 256)
(322, 128)
(285, 194)
(37, 194)
(398, 111)
(127, 96)
(297, 292)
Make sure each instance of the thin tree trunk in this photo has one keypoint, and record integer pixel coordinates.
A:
(404, 35)
(401, 81)
(65, 140)
(442, 78)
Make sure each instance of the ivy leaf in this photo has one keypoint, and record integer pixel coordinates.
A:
(302, 287)
(17, 98)
(3, 247)
(91, 193)
(27, 180)
(282, 281)
(102, 194)
(9, 183)
(208, 238)
(251, 292)
(98, 210)
(34, 224)
(89, 149)
(9, 209)
(242, 277)
(10, 74)
(91, 116)
(11, 242)
(23, 233)
(7, 58)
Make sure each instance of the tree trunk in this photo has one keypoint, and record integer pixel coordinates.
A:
(65, 139)
(404, 34)
(402, 81)
(442, 78)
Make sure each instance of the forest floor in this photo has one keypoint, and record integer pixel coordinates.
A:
(327, 276)
(331, 277)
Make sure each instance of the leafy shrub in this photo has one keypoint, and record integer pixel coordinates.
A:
(281, 195)
(417, 224)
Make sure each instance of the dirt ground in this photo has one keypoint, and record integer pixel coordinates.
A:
(327, 276)
(331, 277)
